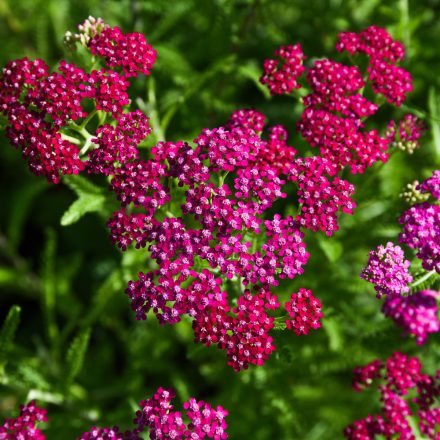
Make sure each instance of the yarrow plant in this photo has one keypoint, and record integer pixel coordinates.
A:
(155, 416)
(408, 400)
(204, 209)
(389, 271)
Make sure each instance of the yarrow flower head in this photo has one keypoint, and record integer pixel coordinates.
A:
(130, 52)
(320, 198)
(305, 312)
(156, 415)
(340, 141)
(392, 82)
(374, 41)
(383, 54)
(406, 134)
(118, 145)
(335, 88)
(387, 269)
(421, 232)
(28, 98)
(417, 314)
(87, 30)
(396, 377)
(210, 240)
(431, 186)
(281, 74)
(25, 425)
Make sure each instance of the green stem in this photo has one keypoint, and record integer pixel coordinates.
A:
(80, 130)
(222, 178)
(154, 114)
(89, 118)
(71, 139)
(423, 278)
(279, 325)
(86, 146)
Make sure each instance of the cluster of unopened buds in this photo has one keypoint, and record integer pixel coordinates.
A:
(203, 210)
(155, 416)
(389, 271)
(402, 416)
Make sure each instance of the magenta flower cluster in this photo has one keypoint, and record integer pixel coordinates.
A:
(45, 110)
(158, 415)
(204, 210)
(304, 311)
(417, 314)
(155, 416)
(406, 134)
(388, 270)
(421, 225)
(397, 379)
(432, 185)
(24, 427)
(336, 110)
(129, 52)
(383, 54)
(228, 182)
(281, 73)
(421, 232)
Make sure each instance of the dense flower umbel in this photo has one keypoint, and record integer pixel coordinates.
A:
(374, 41)
(156, 416)
(383, 53)
(431, 185)
(244, 335)
(397, 377)
(336, 109)
(86, 31)
(406, 134)
(387, 269)
(320, 197)
(390, 81)
(24, 427)
(281, 73)
(131, 52)
(214, 238)
(203, 209)
(335, 88)
(417, 314)
(118, 145)
(42, 107)
(421, 231)
(305, 312)
(340, 141)
(30, 97)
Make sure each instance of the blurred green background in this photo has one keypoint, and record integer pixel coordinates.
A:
(69, 281)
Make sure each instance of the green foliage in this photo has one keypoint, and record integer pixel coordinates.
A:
(78, 347)
(76, 354)
(91, 198)
(7, 333)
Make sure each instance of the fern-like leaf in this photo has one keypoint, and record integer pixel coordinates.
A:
(8, 330)
(76, 354)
